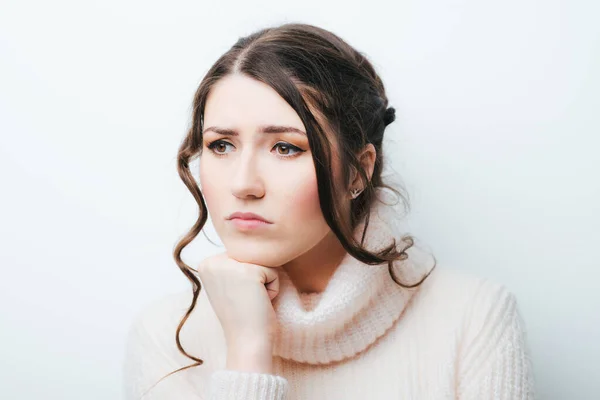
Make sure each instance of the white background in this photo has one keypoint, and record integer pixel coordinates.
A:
(495, 139)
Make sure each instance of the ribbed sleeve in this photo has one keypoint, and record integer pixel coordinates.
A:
(495, 362)
(238, 385)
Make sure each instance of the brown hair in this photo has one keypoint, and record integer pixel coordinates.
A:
(325, 80)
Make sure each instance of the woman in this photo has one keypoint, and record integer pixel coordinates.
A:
(316, 295)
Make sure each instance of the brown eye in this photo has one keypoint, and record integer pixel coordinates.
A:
(285, 148)
(220, 146)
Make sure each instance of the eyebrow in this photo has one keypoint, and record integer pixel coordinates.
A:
(261, 129)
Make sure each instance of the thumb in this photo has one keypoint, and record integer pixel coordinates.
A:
(271, 281)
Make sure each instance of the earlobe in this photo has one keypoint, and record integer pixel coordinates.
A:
(367, 160)
(355, 177)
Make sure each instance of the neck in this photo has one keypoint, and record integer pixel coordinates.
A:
(311, 271)
(358, 304)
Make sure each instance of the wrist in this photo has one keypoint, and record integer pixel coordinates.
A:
(250, 356)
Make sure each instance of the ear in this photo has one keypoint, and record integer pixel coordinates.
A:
(367, 160)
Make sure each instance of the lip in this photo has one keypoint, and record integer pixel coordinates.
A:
(249, 224)
(247, 216)
(248, 221)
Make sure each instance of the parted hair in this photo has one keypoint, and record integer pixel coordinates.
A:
(343, 104)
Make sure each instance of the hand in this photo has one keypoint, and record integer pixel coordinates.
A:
(241, 294)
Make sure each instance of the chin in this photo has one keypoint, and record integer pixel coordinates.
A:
(256, 254)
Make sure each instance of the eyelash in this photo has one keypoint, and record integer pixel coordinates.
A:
(214, 144)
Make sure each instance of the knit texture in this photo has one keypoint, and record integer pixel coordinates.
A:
(230, 385)
(361, 301)
(456, 336)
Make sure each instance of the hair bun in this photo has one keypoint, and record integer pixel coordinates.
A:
(389, 116)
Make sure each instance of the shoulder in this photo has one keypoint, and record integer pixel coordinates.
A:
(489, 332)
(152, 352)
(485, 312)
(160, 313)
(466, 297)
(450, 283)
(157, 321)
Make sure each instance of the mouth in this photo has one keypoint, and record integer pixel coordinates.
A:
(249, 224)
(248, 221)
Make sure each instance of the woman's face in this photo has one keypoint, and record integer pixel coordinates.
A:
(259, 168)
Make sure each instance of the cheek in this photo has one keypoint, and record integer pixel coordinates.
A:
(303, 198)
(297, 200)
(305, 202)
(209, 185)
(303, 224)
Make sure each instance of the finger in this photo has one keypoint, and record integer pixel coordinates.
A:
(271, 282)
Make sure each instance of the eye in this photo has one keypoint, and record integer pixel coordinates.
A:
(218, 144)
(286, 148)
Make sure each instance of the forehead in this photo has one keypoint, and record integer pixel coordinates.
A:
(237, 101)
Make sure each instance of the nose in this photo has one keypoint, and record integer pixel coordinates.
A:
(246, 181)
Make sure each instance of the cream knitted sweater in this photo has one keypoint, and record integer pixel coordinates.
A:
(454, 337)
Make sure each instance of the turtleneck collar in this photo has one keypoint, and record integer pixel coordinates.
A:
(360, 303)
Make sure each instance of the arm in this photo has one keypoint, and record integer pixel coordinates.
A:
(239, 385)
(248, 375)
(148, 358)
(146, 362)
(495, 361)
(240, 295)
